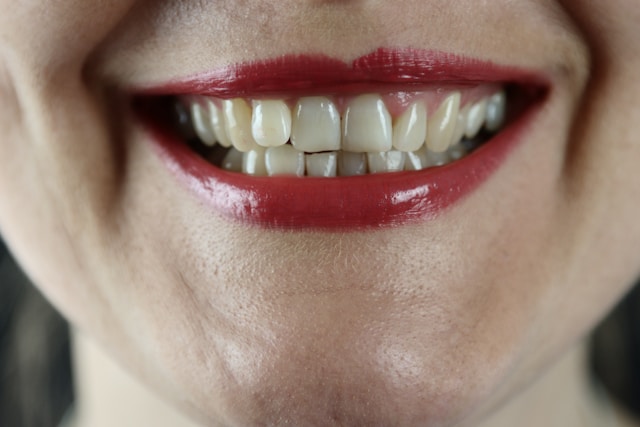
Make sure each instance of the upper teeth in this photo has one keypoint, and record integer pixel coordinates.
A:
(411, 140)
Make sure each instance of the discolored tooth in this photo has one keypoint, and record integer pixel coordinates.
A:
(200, 120)
(233, 161)
(237, 115)
(410, 129)
(218, 126)
(496, 110)
(367, 125)
(461, 125)
(388, 161)
(253, 162)
(284, 160)
(416, 160)
(271, 123)
(442, 124)
(456, 152)
(184, 122)
(437, 159)
(322, 164)
(316, 125)
(351, 164)
(475, 118)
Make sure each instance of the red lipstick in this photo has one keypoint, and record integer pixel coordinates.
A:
(375, 200)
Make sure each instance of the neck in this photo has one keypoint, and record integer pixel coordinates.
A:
(563, 397)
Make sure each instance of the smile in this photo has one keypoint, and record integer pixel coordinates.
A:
(311, 142)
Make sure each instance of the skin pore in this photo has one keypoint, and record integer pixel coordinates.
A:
(434, 323)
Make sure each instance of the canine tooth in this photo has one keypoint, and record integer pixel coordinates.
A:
(410, 130)
(437, 158)
(416, 160)
(475, 118)
(316, 125)
(271, 123)
(367, 125)
(388, 161)
(442, 123)
(233, 161)
(217, 124)
(237, 114)
(496, 109)
(253, 162)
(351, 164)
(461, 125)
(200, 119)
(284, 160)
(322, 164)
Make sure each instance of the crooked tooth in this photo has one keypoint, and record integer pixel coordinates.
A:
(461, 125)
(388, 161)
(442, 123)
(410, 129)
(271, 123)
(253, 162)
(237, 114)
(416, 160)
(367, 125)
(217, 125)
(316, 125)
(200, 120)
(496, 109)
(351, 164)
(233, 161)
(284, 160)
(322, 164)
(475, 118)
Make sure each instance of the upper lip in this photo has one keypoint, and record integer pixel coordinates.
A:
(310, 74)
(372, 200)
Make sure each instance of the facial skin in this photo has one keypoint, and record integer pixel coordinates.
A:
(432, 323)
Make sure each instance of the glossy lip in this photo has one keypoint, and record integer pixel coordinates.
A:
(369, 201)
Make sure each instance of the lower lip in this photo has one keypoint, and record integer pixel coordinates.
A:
(368, 201)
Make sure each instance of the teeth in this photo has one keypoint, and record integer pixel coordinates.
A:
(410, 130)
(316, 125)
(442, 124)
(388, 161)
(475, 118)
(496, 109)
(233, 161)
(201, 124)
(366, 140)
(437, 159)
(284, 160)
(461, 125)
(253, 162)
(271, 123)
(352, 164)
(367, 125)
(322, 164)
(456, 152)
(237, 114)
(416, 160)
(217, 125)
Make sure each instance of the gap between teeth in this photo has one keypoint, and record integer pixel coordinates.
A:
(267, 137)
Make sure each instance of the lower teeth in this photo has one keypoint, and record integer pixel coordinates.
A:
(286, 160)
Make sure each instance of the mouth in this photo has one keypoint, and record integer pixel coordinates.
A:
(397, 136)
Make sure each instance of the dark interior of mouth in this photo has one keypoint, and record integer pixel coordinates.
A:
(168, 115)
